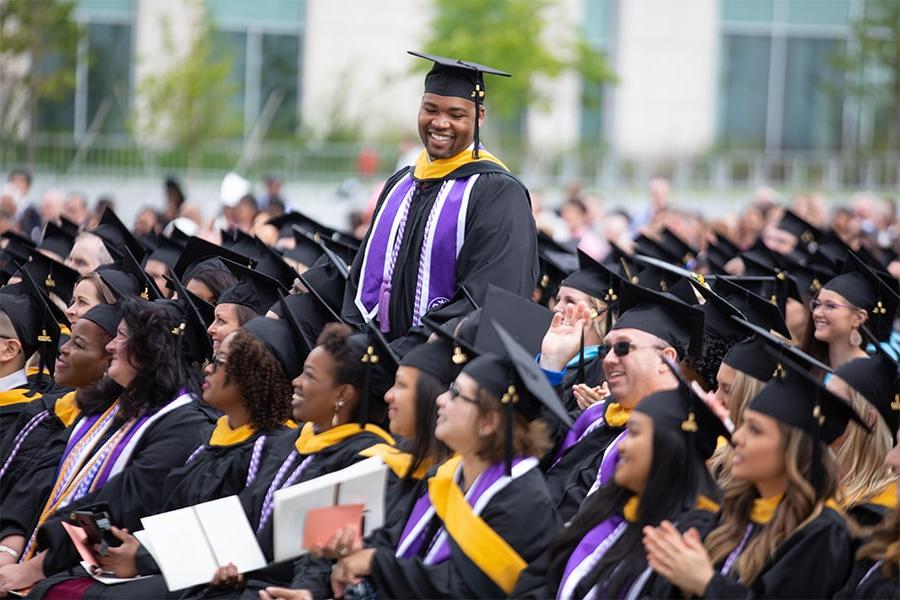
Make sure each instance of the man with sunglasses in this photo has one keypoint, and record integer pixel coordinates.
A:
(650, 325)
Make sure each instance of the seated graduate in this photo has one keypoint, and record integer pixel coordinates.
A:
(201, 270)
(661, 474)
(868, 485)
(595, 286)
(648, 322)
(465, 538)
(781, 534)
(424, 373)
(249, 380)
(90, 290)
(339, 395)
(82, 362)
(119, 454)
(876, 571)
(250, 297)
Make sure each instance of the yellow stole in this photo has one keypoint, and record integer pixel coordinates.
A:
(764, 508)
(616, 415)
(310, 442)
(224, 435)
(630, 510)
(438, 169)
(16, 396)
(397, 460)
(886, 498)
(66, 409)
(478, 541)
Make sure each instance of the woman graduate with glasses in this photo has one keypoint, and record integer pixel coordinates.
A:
(660, 475)
(857, 296)
(486, 512)
(781, 534)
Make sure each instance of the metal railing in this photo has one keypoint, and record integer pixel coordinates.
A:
(124, 156)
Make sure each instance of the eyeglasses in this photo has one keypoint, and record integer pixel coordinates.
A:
(216, 362)
(625, 348)
(828, 305)
(455, 393)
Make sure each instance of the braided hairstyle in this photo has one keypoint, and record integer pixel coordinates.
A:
(265, 388)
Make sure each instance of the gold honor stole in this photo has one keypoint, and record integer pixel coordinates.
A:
(426, 168)
(16, 396)
(310, 442)
(478, 541)
(397, 460)
(66, 409)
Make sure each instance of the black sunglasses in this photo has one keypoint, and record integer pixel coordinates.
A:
(625, 348)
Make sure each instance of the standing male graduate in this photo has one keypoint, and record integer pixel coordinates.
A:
(457, 217)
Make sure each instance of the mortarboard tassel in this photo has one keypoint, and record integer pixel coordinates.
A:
(579, 376)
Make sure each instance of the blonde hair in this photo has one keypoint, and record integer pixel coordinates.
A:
(800, 506)
(863, 471)
(598, 323)
(743, 389)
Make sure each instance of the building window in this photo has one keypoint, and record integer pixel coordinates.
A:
(599, 20)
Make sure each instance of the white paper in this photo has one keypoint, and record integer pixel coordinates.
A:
(110, 580)
(360, 483)
(144, 538)
(181, 548)
(229, 534)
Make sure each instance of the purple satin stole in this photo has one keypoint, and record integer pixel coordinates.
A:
(590, 543)
(589, 419)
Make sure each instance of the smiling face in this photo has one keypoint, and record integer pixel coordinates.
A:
(635, 454)
(458, 422)
(83, 359)
(85, 296)
(225, 322)
(316, 392)
(401, 401)
(758, 450)
(120, 368)
(446, 124)
(640, 372)
(834, 318)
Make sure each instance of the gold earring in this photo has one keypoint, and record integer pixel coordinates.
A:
(337, 408)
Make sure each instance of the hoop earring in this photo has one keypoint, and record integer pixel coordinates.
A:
(337, 408)
(855, 338)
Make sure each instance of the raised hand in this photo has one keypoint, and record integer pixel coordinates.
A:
(563, 338)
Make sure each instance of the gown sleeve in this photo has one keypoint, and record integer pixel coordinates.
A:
(813, 563)
(458, 577)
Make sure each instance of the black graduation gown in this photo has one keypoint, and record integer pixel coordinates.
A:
(524, 500)
(12, 403)
(875, 585)
(500, 245)
(137, 490)
(576, 471)
(814, 562)
(593, 376)
(868, 514)
(533, 581)
(331, 459)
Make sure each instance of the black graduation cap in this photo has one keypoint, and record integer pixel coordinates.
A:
(381, 364)
(681, 410)
(434, 358)
(514, 378)
(750, 357)
(69, 227)
(287, 221)
(797, 398)
(306, 250)
(206, 310)
(242, 243)
(644, 244)
(677, 246)
(121, 283)
(718, 254)
(106, 316)
(52, 276)
(759, 259)
(877, 379)
(194, 340)
(753, 307)
(57, 240)
(254, 289)
(271, 263)
(772, 287)
(593, 279)
(35, 324)
(341, 248)
(461, 347)
(863, 288)
(16, 245)
(148, 288)
(525, 320)
(198, 250)
(782, 348)
(808, 234)
(327, 288)
(117, 236)
(812, 274)
(556, 262)
(663, 315)
(288, 346)
(461, 79)
(167, 251)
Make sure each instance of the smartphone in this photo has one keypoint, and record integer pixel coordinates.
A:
(96, 524)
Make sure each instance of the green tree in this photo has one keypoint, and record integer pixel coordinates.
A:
(188, 104)
(509, 35)
(872, 64)
(38, 55)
